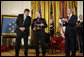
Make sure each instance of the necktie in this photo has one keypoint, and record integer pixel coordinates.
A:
(69, 18)
(24, 20)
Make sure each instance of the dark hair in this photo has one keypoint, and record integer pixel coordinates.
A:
(26, 10)
(80, 15)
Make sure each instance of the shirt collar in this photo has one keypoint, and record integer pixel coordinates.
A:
(38, 18)
(24, 16)
(81, 20)
(70, 15)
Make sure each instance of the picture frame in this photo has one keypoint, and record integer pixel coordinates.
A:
(8, 24)
(37, 25)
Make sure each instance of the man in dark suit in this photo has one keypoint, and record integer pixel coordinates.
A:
(70, 33)
(51, 25)
(80, 32)
(23, 23)
(39, 33)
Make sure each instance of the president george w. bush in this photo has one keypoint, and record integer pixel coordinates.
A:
(70, 32)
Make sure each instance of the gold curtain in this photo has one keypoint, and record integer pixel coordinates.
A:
(45, 10)
(42, 8)
(56, 7)
(46, 14)
(53, 8)
(72, 4)
(33, 10)
(57, 3)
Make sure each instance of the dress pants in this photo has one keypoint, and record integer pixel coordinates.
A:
(18, 43)
(70, 43)
(80, 34)
(40, 37)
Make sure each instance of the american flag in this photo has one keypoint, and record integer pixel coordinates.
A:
(62, 29)
(51, 11)
(39, 8)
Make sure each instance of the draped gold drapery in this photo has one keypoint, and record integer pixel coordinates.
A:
(45, 10)
(56, 8)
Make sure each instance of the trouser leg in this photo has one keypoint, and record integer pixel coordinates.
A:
(17, 48)
(26, 45)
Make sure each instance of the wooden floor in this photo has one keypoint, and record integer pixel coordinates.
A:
(31, 52)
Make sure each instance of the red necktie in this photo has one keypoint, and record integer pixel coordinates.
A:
(68, 18)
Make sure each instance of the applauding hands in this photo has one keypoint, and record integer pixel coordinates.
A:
(65, 20)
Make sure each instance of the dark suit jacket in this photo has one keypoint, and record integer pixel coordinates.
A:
(43, 21)
(71, 25)
(26, 24)
(80, 27)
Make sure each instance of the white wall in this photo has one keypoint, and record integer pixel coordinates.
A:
(15, 8)
(80, 8)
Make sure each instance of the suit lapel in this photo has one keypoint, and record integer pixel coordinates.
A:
(71, 17)
(22, 17)
(25, 19)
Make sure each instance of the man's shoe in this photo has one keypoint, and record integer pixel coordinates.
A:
(73, 55)
(37, 54)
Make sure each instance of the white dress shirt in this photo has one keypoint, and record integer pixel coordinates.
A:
(70, 15)
(24, 18)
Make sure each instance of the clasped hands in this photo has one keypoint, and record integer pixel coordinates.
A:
(22, 29)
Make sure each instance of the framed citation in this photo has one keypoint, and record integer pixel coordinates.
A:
(37, 25)
(8, 25)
